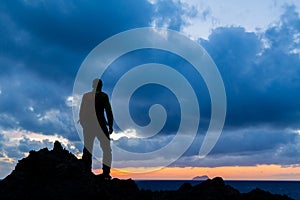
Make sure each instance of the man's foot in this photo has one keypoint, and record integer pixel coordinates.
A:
(104, 176)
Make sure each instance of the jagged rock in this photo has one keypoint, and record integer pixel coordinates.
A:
(186, 187)
(57, 146)
(58, 174)
(261, 194)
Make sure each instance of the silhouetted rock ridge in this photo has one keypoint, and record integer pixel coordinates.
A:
(58, 174)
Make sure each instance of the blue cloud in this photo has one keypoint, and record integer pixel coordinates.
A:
(168, 14)
(26, 145)
(262, 82)
(151, 94)
(253, 141)
(31, 103)
(95, 21)
(43, 50)
(52, 39)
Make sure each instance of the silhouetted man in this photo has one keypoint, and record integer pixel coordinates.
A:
(94, 124)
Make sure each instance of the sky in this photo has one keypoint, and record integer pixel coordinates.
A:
(255, 46)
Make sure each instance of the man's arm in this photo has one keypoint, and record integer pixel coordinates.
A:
(82, 111)
(109, 114)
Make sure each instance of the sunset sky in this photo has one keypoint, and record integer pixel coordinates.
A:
(254, 44)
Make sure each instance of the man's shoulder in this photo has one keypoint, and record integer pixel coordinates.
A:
(102, 95)
(88, 94)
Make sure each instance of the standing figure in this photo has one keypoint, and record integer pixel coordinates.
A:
(96, 125)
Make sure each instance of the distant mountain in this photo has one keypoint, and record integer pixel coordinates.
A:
(58, 175)
(200, 178)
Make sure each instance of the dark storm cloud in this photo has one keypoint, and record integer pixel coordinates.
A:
(32, 103)
(261, 76)
(42, 47)
(52, 38)
(253, 141)
(250, 147)
(260, 72)
(148, 95)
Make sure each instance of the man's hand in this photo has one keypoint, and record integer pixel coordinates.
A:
(110, 130)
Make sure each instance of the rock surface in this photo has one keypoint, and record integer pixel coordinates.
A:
(58, 174)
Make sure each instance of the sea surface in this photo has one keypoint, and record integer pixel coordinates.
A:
(290, 188)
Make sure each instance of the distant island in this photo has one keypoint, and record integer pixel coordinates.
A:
(58, 174)
(200, 178)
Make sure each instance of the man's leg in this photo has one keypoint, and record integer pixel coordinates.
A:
(88, 149)
(107, 155)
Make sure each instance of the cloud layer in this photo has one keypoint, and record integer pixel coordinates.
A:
(43, 45)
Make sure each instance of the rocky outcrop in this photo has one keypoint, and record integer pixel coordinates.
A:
(58, 174)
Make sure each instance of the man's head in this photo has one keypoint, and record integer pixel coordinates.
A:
(97, 84)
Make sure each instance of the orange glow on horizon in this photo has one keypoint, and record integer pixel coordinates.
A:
(260, 172)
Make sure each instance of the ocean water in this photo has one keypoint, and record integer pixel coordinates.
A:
(290, 188)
